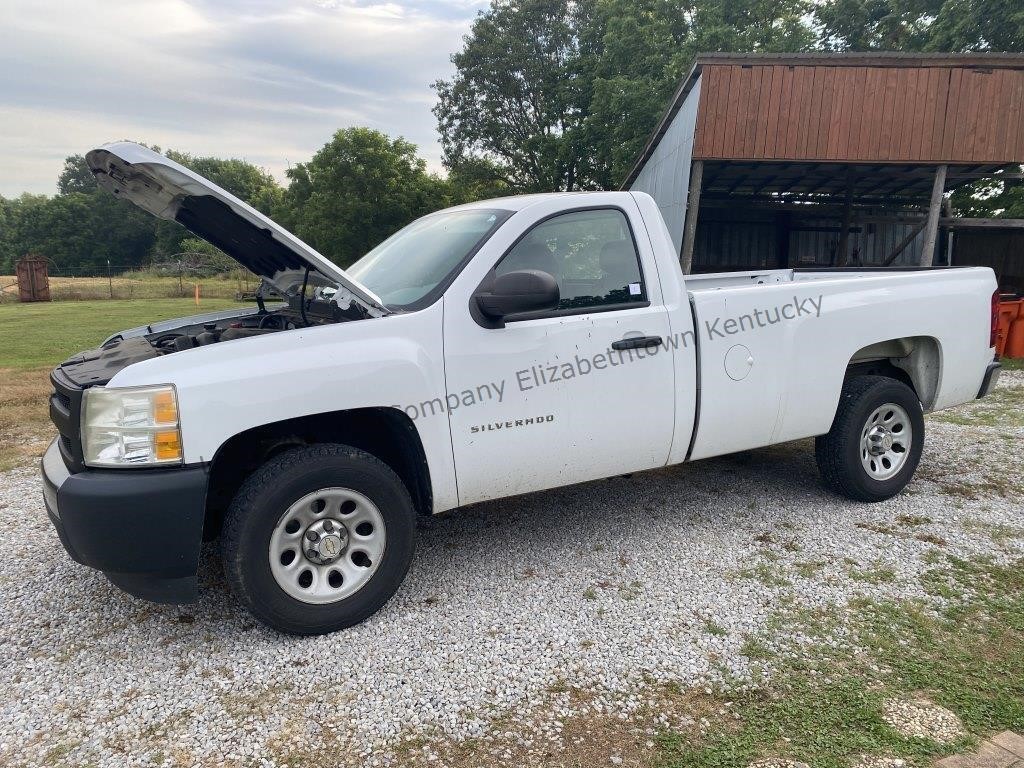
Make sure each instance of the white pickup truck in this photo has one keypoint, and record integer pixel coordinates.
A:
(487, 350)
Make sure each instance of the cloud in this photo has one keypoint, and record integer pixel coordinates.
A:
(267, 81)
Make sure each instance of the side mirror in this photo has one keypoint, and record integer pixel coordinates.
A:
(526, 290)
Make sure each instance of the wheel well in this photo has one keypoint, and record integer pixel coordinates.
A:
(913, 360)
(386, 433)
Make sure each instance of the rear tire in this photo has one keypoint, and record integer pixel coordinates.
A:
(318, 539)
(875, 443)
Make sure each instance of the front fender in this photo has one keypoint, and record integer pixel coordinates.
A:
(231, 387)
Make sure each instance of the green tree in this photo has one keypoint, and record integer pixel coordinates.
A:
(80, 232)
(75, 176)
(357, 190)
(752, 25)
(84, 228)
(634, 54)
(7, 222)
(517, 98)
(978, 25)
(562, 95)
(25, 214)
(864, 25)
(476, 179)
(990, 198)
(921, 25)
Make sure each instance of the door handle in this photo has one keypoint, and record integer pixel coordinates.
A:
(633, 342)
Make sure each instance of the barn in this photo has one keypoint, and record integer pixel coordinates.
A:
(827, 159)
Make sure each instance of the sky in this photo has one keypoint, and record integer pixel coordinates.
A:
(268, 81)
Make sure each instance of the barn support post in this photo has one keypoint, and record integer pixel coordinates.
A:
(947, 241)
(844, 236)
(783, 221)
(931, 229)
(692, 208)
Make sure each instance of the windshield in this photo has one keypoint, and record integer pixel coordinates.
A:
(420, 260)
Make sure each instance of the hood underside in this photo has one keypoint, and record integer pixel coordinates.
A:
(170, 191)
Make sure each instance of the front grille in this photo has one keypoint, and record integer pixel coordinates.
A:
(66, 415)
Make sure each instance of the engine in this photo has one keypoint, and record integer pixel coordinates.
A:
(296, 314)
(212, 333)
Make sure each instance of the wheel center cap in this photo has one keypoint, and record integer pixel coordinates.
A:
(325, 541)
(329, 547)
(879, 441)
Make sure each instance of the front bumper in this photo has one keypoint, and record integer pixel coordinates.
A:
(143, 528)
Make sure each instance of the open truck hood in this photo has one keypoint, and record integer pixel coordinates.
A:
(171, 191)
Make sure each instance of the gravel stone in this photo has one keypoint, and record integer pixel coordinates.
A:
(512, 611)
(874, 761)
(923, 719)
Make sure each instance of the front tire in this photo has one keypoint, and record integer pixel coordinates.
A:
(875, 443)
(318, 539)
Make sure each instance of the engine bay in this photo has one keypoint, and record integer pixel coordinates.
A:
(96, 367)
(295, 314)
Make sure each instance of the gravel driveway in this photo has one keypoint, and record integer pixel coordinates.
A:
(603, 587)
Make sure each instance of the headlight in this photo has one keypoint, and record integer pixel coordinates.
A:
(131, 426)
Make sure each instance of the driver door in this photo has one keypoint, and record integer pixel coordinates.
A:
(563, 396)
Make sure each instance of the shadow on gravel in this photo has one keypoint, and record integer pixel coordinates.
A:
(559, 525)
(523, 536)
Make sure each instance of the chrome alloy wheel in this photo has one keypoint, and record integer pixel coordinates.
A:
(327, 545)
(885, 441)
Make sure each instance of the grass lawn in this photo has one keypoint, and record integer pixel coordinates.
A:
(1000, 408)
(824, 705)
(44, 334)
(36, 337)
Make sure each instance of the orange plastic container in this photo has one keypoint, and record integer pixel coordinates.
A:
(1015, 339)
(1009, 311)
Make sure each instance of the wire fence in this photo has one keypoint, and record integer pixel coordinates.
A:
(170, 278)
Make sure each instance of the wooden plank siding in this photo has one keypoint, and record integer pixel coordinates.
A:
(871, 113)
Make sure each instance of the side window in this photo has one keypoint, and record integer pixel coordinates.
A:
(589, 253)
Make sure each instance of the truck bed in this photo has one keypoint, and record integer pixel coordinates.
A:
(717, 280)
(774, 345)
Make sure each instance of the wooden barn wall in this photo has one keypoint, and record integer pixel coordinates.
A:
(1002, 250)
(861, 113)
(739, 239)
